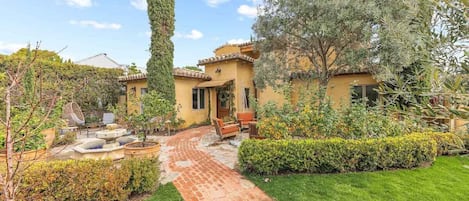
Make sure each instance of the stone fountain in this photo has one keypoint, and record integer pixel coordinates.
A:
(108, 143)
(110, 136)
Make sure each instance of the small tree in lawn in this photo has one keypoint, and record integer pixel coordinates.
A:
(156, 110)
(321, 38)
(28, 108)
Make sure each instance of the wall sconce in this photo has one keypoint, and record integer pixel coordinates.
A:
(218, 70)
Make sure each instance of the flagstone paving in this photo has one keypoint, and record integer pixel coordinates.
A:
(199, 176)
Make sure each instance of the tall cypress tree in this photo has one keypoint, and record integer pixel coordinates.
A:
(160, 66)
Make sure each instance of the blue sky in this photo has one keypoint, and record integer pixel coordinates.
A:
(121, 29)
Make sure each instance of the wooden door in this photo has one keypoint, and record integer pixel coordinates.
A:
(223, 106)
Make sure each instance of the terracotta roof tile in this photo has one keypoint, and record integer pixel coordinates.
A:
(179, 72)
(225, 57)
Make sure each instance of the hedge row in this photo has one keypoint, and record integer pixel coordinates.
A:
(88, 179)
(445, 141)
(335, 155)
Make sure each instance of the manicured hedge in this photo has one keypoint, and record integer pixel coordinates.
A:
(144, 174)
(88, 179)
(445, 141)
(335, 155)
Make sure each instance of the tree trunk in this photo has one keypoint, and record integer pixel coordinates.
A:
(8, 186)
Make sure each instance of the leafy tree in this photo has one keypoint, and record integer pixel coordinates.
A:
(133, 69)
(194, 68)
(160, 65)
(27, 108)
(40, 54)
(156, 111)
(436, 84)
(321, 38)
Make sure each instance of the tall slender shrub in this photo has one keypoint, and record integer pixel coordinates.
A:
(160, 66)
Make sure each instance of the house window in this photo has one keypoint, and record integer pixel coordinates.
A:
(246, 98)
(198, 99)
(365, 92)
(123, 90)
(143, 91)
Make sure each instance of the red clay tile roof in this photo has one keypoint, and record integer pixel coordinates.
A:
(226, 57)
(177, 72)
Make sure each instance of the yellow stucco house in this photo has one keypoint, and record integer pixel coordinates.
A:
(204, 95)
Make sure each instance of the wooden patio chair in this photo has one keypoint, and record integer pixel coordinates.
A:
(223, 130)
(244, 118)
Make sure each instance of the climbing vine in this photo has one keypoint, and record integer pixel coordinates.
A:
(160, 64)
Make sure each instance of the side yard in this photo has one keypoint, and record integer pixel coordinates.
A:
(446, 179)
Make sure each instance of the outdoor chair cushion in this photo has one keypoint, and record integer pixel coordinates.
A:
(229, 128)
(245, 117)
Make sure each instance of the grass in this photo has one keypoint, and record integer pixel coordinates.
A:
(166, 192)
(447, 179)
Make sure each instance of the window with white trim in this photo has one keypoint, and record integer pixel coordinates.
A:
(366, 93)
(198, 99)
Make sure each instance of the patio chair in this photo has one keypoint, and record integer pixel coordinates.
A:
(223, 130)
(244, 118)
(108, 118)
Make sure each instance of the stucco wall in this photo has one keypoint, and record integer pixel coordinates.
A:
(229, 49)
(269, 94)
(138, 85)
(184, 88)
(244, 79)
(338, 89)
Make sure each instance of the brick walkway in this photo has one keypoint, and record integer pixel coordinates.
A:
(203, 178)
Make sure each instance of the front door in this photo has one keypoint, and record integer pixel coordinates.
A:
(223, 105)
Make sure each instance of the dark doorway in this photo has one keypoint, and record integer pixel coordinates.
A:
(223, 105)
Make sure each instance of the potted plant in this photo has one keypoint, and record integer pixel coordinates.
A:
(156, 110)
(31, 143)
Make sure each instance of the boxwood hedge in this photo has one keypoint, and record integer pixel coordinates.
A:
(88, 179)
(335, 155)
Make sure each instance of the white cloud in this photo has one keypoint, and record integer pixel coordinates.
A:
(8, 48)
(148, 33)
(139, 4)
(215, 3)
(79, 3)
(194, 35)
(248, 11)
(96, 25)
(238, 41)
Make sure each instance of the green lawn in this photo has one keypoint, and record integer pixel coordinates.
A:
(447, 179)
(166, 192)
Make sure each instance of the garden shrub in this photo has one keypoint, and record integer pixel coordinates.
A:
(88, 179)
(465, 139)
(311, 118)
(65, 139)
(144, 174)
(445, 141)
(74, 180)
(357, 121)
(335, 155)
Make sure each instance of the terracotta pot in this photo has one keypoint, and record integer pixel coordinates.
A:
(49, 135)
(32, 155)
(136, 150)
